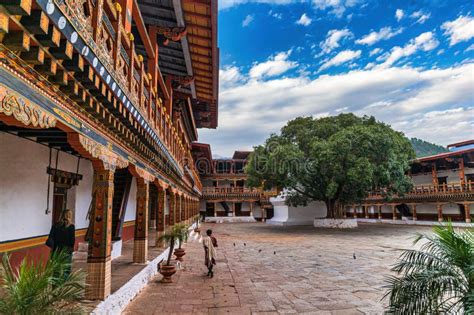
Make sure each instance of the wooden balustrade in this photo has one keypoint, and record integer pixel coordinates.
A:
(430, 189)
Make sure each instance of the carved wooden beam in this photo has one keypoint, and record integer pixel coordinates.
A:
(16, 110)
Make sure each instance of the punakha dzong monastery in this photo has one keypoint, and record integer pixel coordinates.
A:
(100, 106)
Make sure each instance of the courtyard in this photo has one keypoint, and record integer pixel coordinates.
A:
(263, 269)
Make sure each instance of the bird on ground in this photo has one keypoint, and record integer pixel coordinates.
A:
(274, 253)
(245, 244)
(259, 250)
(234, 244)
(354, 255)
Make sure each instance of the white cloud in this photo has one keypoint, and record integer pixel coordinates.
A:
(399, 14)
(425, 42)
(274, 66)
(340, 58)
(459, 30)
(420, 16)
(229, 77)
(333, 38)
(337, 7)
(435, 105)
(375, 51)
(304, 20)
(374, 37)
(248, 19)
(226, 4)
(276, 15)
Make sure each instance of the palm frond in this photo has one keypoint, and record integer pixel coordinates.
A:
(437, 278)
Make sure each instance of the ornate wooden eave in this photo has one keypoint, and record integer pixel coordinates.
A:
(65, 64)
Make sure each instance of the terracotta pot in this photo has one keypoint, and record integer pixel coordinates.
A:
(179, 253)
(167, 271)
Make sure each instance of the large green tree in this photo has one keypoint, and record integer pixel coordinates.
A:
(337, 160)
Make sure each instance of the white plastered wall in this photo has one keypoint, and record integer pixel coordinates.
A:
(23, 188)
(132, 202)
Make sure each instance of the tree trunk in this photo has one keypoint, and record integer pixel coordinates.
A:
(170, 254)
(334, 209)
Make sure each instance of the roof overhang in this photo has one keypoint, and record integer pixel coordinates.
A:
(187, 40)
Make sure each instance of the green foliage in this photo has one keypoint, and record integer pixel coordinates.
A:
(438, 278)
(181, 230)
(423, 148)
(170, 237)
(337, 160)
(39, 288)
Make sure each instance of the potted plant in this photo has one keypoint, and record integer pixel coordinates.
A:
(41, 287)
(182, 236)
(168, 269)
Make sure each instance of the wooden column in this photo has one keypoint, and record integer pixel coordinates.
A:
(434, 176)
(467, 211)
(394, 212)
(98, 280)
(366, 211)
(179, 212)
(355, 211)
(414, 213)
(215, 209)
(251, 208)
(172, 208)
(160, 218)
(140, 241)
(379, 211)
(440, 212)
(233, 209)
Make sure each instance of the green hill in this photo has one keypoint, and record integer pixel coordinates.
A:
(424, 148)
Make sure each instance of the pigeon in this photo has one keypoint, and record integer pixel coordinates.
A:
(245, 244)
(354, 255)
(234, 244)
(274, 253)
(259, 250)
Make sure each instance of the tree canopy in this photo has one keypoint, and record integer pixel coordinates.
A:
(337, 160)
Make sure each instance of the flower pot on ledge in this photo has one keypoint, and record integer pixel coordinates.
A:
(179, 253)
(167, 271)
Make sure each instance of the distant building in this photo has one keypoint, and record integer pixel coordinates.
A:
(225, 195)
(443, 190)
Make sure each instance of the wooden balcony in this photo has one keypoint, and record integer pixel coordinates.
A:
(236, 193)
(444, 192)
(84, 54)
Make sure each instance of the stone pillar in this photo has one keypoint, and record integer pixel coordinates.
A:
(414, 213)
(366, 211)
(98, 280)
(379, 211)
(394, 212)
(440, 212)
(160, 218)
(140, 241)
(467, 211)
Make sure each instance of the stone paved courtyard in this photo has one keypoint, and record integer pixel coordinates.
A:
(265, 269)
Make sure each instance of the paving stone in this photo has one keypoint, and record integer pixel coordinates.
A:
(311, 272)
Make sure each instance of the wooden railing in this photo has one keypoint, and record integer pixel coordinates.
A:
(430, 190)
(236, 192)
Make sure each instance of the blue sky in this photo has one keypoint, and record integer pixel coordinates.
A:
(408, 63)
